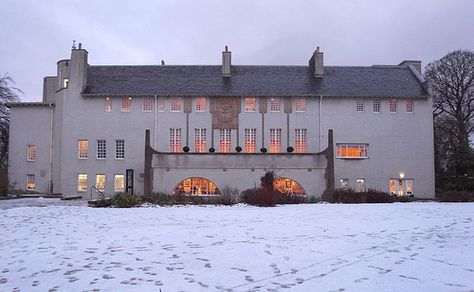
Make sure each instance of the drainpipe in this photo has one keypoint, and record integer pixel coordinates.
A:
(154, 122)
(50, 185)
(320, 122)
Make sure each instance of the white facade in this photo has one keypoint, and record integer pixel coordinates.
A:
(400, 144)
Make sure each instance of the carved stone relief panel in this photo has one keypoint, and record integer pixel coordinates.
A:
(225, 112)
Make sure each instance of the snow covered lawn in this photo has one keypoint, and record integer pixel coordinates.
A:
(320, 247)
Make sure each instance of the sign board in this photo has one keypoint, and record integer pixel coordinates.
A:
(129, 181)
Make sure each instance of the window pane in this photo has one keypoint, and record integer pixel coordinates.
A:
(126, 104)
(108, 104)
(360, 185)
(225, 140)
(31, 153)
(119, 183)
(393, 105)
(409, 106)
(147, 103)
(200, 104)
(176, 104)
(275, 140)
(30, 182)
(360, 105)
(199, 140)
(119, 149)
(175, 140)
(101, 149)
(344, 183)
(82, 151)
(250, 140)
(250, 104)
(100, 182)
(352, 150)
(275, 104)
(376, 105)
(161, 104)
(82, 182)
(300, 141)
(300, 104)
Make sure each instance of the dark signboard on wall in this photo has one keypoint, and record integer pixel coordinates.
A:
(129, 181)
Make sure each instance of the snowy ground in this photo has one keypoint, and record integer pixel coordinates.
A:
(322, 247)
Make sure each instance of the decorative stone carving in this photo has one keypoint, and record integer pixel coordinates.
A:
(225, 112)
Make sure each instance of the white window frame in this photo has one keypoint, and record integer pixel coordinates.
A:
(119, 149)
(301, 141)
(108, 104)
(410, 106)
(97, 182)
(148, 104)
(101, 149)
(200, 104)
(176, 104)
(225, 140)
(200, 140)
(31, 152)
(82, 148)
(300, 104)
(360, 105)
(275, 105)
(250, 136)
(126, 104)
(116, 179)
(30, 180)
(393, 106)
(275, 141)
(250, 104)
(343, 150)
(360, 185)
(175, 140)
(376, 105)
(82, 182)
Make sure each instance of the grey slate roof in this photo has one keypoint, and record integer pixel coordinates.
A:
(380, 81)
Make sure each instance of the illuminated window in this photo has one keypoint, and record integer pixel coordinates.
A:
(401, 187)
(225, 140)
(196, 186)
(176, 104)
(147, 104)
(119, 183)
(376, 105)
(108, 104)
(409, 106)
(344, 183)
(100, 182)
(360, 105)
(393, 105)
(275, 104)
(288, 186)
(161, 104)
(199, 140)
(360, 185)
(300, 105)
(200, 104)
(31, 153)
(352, 150)
(82, 149)
(250, 140)
(101, 149)
(250, 104)
(65, 82)
(120, 149)
(275, 140)
(300, 141)
(175, 140)
(126, 104)
(30, 182)
(82, 182)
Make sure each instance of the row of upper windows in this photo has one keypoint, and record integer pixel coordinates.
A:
(176, 104)
(392, 107)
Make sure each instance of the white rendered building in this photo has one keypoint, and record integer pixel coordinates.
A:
(317, 127)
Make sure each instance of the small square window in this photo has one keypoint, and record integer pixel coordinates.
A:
(300, 105)
(30, 182)
(108, 104)
(275, 104)
(147, 104)
(126, 104)
(200, 104)
(409, 106)
(360, 105)
(31, 153)
(176, 104)
(250, 104)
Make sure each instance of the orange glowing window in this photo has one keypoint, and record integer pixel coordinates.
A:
(288, 186)
(250, 104)
(250, 140)
(275, 140)
(352, 150)
(175, 140)
(225, 141)
(126, 104)
(300, 141)
(200, 140)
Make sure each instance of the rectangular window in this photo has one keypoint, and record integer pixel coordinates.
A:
(344, 183)
(101, 149)
(108, 104)
(275, 140)
(225, 140)
(376, 105)
(200, 104)
(161, 104)
(126, 104)
(250, 140)
(175, 140)
(300, 141)
(300, 105)
(82, 149)
(275, 104)
(119, 183)
(360, 105)
(100, 182)
(401, 187)
(30, 182)
(360, 185)
(30, 152)
(176, 104)
(250, 104)
(409, 106)
(147, 104)
(200, 140)
(65, 82)
(352, 150)
(393, 105)
(120, 149)
(82, 182)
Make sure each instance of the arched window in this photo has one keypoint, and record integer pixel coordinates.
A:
(196, 186)
(288, 186)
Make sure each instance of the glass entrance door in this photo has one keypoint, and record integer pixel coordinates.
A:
(401, 186)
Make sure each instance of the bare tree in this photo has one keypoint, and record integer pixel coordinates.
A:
(8, 93)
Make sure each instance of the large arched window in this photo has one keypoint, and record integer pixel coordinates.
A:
(196, 186)
(288, 186)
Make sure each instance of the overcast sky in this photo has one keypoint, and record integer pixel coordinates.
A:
(36, 34)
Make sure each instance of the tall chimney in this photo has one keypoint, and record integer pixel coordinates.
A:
(226, 57)
(316, 63)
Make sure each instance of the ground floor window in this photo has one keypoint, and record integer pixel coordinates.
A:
(100, 182)
(288, 186)
(196, 186)
(344, 183)
(360, 185)
(119, 183)
(30, 182)
(401, 186)
(82, 182)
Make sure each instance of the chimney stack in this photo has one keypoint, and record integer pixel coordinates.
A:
(226, 62)
(316, 63)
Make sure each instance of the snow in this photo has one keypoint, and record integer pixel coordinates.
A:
(320, 247)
